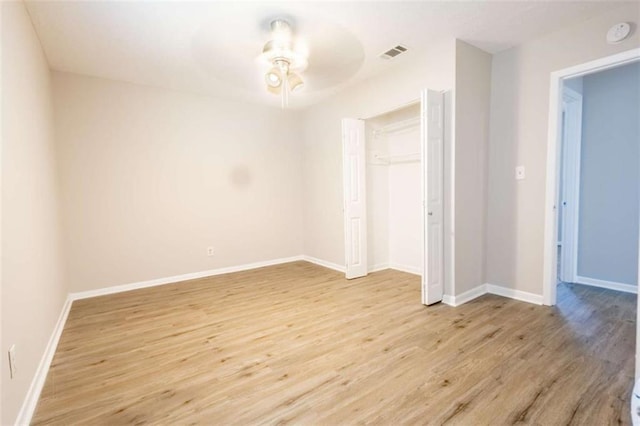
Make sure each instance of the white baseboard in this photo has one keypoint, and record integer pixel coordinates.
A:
(395, 266)
(405, 268)
(523, 296)
(478, 291)
(379, 267)
(611, 285)
(324, 263)
(465, 297)
(37, 383)
(177, 278)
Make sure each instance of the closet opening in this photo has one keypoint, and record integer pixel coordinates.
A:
(393, 169)
(394, 184)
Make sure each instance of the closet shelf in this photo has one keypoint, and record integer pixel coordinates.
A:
(397, 126)
(396, 159)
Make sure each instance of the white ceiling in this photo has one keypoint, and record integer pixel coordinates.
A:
(211, 47)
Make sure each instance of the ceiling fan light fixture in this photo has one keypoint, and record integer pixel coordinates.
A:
(273, 77)
(295, 82)
(280, 29)
(283, 59)
(277, 90)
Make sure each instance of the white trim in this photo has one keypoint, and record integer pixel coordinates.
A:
(379, 267)
(416, 270)
(570, 166)
(324, 263)
(482, 289)
(600, 64)
(37, 383)
(611, 285)
(520, 295)
(452, 187)
(449, 300)
(177, 278)
(553, 137)
(465, 297)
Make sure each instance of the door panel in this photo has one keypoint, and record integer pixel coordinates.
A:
(355, 206)
(432, 140)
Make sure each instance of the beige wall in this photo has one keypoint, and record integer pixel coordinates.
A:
(401, 84)
(33, 288)
(518, 136)
(150, 178)
(472, 103)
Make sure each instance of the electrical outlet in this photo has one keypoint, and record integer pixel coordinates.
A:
(12, 361)
(209, 251)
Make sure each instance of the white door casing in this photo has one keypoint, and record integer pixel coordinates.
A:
(355, 202)
(554, 136)
(551, 190)
(432, 143)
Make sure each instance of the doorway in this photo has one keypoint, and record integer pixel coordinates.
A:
(553, 210)
(554, 156)
(598, 217)
(393, 178)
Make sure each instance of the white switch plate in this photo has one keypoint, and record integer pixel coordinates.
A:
(209, 251)
(519, 172)
(12, 361)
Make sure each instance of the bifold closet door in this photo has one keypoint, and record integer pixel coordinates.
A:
(355, 199)
(432, 140)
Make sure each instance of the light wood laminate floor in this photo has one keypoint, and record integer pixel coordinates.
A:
(297, 343)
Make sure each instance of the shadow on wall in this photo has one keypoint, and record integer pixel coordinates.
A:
(240, 177)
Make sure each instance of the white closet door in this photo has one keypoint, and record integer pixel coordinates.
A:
(432, 140)
(355, 202)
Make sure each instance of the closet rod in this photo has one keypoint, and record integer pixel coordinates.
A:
(396, 126)
(395, 159)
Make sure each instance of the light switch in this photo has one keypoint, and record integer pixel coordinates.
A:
(519, 172)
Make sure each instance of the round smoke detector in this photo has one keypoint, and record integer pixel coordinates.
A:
(618, 32)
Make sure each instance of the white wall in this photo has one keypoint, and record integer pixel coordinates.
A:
(323, 225)
(518, 136)
(405, 203)
(33, 285)
(471, 118)
(609, 176)
(151, 177)
(377, 175)
(394, 197)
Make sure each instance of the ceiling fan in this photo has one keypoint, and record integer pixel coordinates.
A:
(286, 60)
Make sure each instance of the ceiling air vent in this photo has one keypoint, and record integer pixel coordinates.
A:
(393, 52)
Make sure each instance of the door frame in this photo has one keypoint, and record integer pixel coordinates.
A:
(553, 145)
(551, 191)
(423, 174)
(571, 138)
